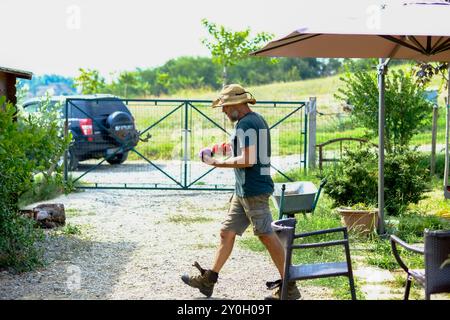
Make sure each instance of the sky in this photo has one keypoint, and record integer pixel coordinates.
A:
(60, 36)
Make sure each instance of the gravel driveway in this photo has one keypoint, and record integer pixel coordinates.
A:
(136, 245)
(141, 173)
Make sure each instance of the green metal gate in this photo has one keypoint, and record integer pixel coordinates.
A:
(172, 132)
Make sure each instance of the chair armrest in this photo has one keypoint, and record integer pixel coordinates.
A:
(402, 243)
(314, 233)
(394, 241)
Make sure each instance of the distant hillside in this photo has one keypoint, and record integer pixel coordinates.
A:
(54, 84)
(322, 88)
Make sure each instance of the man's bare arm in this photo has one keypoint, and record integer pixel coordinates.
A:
(246, 160)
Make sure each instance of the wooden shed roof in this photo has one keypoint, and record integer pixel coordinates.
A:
(18, 73)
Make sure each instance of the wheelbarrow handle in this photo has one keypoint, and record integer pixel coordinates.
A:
(281, 206)
(322, 184)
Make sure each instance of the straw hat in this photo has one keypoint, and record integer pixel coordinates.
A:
(233, 94)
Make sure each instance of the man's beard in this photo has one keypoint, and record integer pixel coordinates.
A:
(234, 116)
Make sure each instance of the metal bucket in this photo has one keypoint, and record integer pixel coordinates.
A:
(298, 197)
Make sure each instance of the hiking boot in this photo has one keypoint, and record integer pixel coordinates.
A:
(292, 292)
(204, 282)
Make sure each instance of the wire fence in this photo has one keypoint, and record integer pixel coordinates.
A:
(171, 134)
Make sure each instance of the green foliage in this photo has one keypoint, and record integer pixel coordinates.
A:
(412, 225)
(89, 81)
(356, 179)
(71, 230)
(407, 110)
(17, 235)
(381, 256)
(426, 71)
(46, 188)
(31, 145)
(410, 228)
(228, 48)
(18, 238)
(193, 73)
(405, 180)
(359, 65)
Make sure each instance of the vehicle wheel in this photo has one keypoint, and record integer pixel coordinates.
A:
(118, 158)
(72, 161)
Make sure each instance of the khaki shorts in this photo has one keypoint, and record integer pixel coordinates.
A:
(243, 211)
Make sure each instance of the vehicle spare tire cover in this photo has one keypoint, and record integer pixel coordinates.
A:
(122, 126)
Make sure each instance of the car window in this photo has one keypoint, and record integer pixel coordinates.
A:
(78, 109)
(106, 107)
(95, 108)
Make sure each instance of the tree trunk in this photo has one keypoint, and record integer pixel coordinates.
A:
(224, 76)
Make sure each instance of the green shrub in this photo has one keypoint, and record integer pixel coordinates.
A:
(405, 180)
(356, 179)
(407, 110)
(18, 241)
(28, 146)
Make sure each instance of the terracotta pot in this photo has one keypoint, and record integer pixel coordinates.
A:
(360, 221)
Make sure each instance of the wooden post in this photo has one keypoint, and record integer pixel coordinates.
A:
(312, 112)
(433, 140)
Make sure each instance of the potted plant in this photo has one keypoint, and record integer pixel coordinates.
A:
(359, 218)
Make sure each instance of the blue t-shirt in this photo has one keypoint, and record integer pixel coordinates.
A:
(250, 130)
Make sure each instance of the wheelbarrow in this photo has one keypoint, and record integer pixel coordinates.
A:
(296, 197)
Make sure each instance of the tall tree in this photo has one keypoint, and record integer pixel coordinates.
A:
(89, 81)
(127, 79)
(228, 47)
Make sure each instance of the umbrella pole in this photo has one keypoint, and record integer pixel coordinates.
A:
(447, 124)
(382, 69)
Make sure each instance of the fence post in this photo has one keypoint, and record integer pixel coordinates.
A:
(433, 140)
(66, 133)
(312, 112)
(186, 155)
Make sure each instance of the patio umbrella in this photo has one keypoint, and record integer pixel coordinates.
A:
(399, 30)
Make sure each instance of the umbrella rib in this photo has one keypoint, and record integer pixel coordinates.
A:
(436, 44)
(285, 44)
(414, 39)
(447, 47)
(400, 42)
(429, 44)
(442, 45)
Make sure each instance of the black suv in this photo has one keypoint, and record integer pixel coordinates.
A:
(100, 126)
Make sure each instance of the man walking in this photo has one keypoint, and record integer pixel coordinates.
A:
(250, 159)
